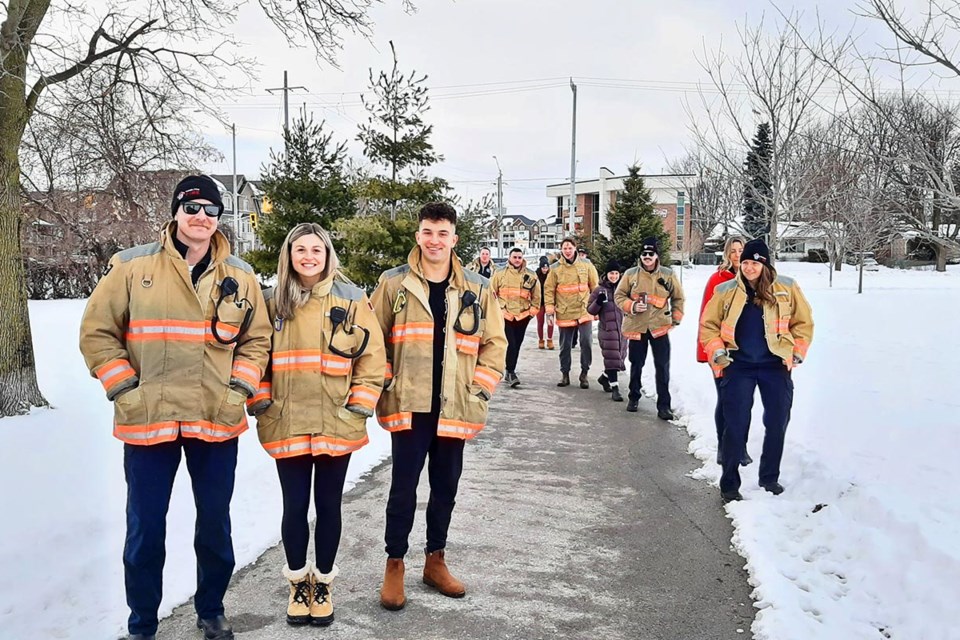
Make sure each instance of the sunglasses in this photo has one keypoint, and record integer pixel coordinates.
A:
(647, 254)
(193, 208)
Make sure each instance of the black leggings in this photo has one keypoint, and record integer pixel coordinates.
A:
(295, 480)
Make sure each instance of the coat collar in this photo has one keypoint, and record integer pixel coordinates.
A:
(457, 279)
(219, 246)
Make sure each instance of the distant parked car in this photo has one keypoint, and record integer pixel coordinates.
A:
(499, 262)
(869, 264)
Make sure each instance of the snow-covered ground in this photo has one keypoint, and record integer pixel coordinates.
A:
(865, 542)
(63, 496)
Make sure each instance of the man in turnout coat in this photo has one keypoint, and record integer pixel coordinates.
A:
(518, 291)
(651, 297)
(445, 355)
(177, 332)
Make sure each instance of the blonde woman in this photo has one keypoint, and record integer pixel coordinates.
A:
(727, 270)
(326, 372)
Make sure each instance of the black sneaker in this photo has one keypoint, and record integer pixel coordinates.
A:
(773, 487)
(730, 496)
(666, 414)
(745, 459)
(632, 405)
(514, 381)
(615, 394)
(605, 383)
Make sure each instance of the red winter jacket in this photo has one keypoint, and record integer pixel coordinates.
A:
(716, 279)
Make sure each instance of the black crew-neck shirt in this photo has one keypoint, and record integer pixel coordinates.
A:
(198, 268)
(438, 307)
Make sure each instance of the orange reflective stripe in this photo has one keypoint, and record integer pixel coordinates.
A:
(147, 434)
(114, 372)
(510, 292)
(572, 288)
(313, 445)
(311, 360)
(726, 332)
(633, 335)
(628, 306)
(263, 393)
(677, 315)
(468, 344)
(411, 331)
(458, 428)
(517, 316)
(656, 301)
(176, 330)
(782, 325)
(713, 346)
(363, 396)
(486, 378)
(660, 331)
(396, 421)
(567, 323)
(211, 432)
(800, 347)
(388, 373)
(247, 372)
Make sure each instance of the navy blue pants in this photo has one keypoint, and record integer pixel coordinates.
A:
(718, 419)
(326, 475)
(661, 363)
(736, 395)
(150, 471)
(410, 450)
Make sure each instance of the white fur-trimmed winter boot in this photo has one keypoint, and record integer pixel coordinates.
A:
(301, 593)
(321, 604)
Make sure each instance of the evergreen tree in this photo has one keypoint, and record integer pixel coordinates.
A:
(305, 183)
(758, 189)
(631, 219)
(396, 139)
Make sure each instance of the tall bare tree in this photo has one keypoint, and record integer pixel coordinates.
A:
(772, 79)
(146, 45)
(716, 196)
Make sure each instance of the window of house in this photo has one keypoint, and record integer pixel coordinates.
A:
(792, 245)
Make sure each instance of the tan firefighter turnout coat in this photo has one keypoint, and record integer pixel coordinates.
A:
(664, 297)
(473, 361)
(788, 325)
(146, 334)
(518, 291)
(566, 291)
(319, 400)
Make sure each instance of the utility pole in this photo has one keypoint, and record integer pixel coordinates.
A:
(286, 103)
(573, 164)
(236, 204)
(499, 209)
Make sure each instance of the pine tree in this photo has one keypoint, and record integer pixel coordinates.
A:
(396, 139)
(758, 190)
(631, 219)
(305, 183)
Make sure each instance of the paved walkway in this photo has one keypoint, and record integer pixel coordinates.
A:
(574, 519)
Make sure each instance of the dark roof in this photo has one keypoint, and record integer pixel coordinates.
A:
(227, 180)
(524, 219)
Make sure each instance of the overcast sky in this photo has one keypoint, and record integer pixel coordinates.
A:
(499, 76)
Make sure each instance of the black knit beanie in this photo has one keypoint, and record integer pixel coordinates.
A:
(193, 187)
(757, 251)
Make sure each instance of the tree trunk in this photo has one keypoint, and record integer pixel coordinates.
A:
(940, 252)
(18, 374)
(860, 281)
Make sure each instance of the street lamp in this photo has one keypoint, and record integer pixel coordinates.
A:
(499, 209)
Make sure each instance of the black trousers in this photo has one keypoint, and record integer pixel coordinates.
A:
(515, 330)
(718, 419)
(326, 474)
(661, 363)
(150, 471)
(410, 450)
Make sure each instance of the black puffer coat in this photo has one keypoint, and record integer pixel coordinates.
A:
(612, 343)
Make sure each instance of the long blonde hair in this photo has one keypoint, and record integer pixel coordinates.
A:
(290, 294)
(727, 264)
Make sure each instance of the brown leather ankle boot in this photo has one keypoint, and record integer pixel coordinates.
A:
(391, 593)
(436, 575)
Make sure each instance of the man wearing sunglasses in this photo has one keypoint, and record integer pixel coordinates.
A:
(651, 297)
(178, 391)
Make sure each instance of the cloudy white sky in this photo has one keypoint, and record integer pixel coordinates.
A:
(499, 76)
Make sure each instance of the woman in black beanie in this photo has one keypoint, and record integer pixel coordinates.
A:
(755, 329)
(612, 343)
(542, 272)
